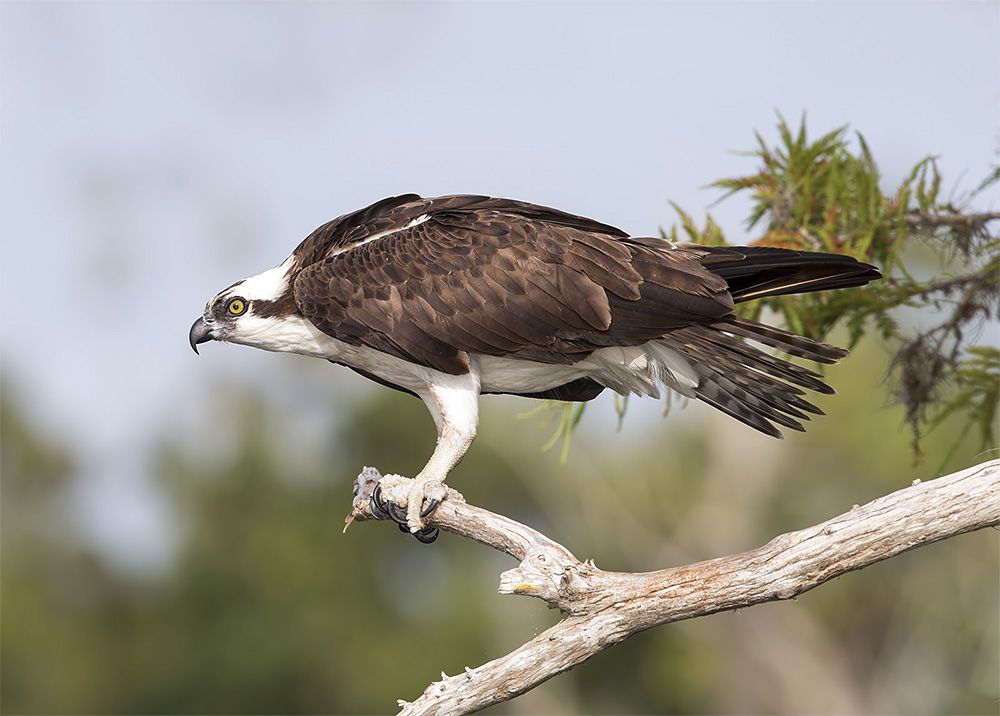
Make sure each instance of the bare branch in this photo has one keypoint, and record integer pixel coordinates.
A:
(606, 607)
(971, 222)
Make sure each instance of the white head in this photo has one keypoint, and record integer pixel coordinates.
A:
(251, 311)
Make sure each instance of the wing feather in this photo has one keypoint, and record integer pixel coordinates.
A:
(431, 280)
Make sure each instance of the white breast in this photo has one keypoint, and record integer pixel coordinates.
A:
(639, 369)
(295, 334)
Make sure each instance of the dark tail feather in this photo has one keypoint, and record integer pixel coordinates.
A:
(790, 343)
(781, 371)
(761, 271)
(756, 388)
(734, 376)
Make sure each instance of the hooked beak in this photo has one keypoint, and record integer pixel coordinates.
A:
(200, 332)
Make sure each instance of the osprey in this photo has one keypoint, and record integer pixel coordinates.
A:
(456, 296)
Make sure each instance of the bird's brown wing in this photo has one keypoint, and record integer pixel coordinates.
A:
(432, 280)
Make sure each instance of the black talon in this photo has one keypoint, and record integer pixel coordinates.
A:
(383, 509)
(397, 515)
(378, 504)
(432, 505)
(427, 535)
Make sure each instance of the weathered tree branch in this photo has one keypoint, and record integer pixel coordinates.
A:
(605, 608)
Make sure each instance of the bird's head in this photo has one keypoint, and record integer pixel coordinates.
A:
(249, 311)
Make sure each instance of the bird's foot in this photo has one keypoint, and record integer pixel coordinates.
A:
(408, 501)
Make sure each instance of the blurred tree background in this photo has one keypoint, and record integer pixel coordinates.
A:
(267, 608)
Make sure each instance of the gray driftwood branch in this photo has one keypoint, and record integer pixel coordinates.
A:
(604, 608)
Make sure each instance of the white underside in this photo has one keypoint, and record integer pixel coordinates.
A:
(641, 370)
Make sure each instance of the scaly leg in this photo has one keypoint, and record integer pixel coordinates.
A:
(454, 404)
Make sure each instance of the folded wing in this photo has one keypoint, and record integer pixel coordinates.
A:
(432, 280)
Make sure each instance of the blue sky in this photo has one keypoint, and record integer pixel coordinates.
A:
(152, 153)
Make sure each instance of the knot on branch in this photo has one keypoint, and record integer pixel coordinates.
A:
(552, 577)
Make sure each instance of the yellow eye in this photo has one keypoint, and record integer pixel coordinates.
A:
(237, 306)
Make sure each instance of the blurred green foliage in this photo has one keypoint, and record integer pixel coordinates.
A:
(826, 195)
